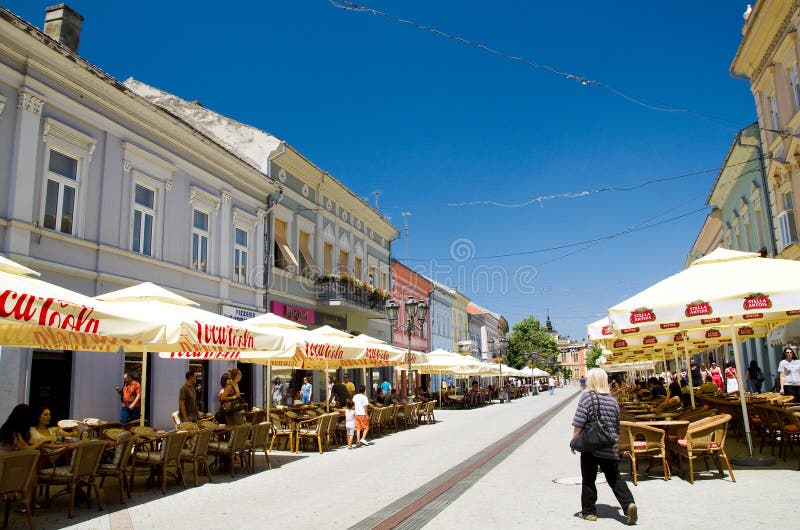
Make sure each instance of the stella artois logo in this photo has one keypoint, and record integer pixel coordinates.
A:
(649, 340)
(641, 315)
(698, 308)
(678, 337)
(746, 331)
(669, 325)
(716, 320)
(619, 343)
(793, 312)
(628, 331)
(606, 330)
(757, 301)
(713, 334)
(753, 316)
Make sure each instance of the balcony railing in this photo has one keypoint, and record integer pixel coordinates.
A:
(787, 228)
(345, 291)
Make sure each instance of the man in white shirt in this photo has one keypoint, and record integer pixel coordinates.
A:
(361, 403)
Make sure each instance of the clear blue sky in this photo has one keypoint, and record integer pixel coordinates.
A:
(430, 122)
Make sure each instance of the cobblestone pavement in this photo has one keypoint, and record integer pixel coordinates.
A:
(496, 465)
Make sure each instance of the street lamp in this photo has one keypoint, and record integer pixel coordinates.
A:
(415, 318)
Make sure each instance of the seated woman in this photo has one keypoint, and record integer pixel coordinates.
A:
(15, 433)
(41, 430)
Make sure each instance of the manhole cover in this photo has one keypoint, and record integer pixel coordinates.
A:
(576, 481)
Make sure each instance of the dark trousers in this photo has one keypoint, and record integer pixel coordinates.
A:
(610, 469)
(792, 390)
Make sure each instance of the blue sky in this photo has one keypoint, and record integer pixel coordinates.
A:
(432, 122)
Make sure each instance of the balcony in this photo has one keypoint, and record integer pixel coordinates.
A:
(332, 289)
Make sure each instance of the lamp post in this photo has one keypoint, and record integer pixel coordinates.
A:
(415, 318)
(534, 385)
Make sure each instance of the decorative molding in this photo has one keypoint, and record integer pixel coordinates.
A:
(262, 214)
(282, 175)
(198, 195)
(2, 104)
(168, 185)
(149, 163)
(371, 233)
(329, 205)
(58, 132)
(30, 102)
(780, 34)
(126, 166)
(305, 190)
(344, 215)
(245, 219)
(226, 197)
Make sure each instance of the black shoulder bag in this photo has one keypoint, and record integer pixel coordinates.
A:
(594, 434)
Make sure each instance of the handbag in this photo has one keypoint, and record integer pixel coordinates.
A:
(234, 405)
(594, 434)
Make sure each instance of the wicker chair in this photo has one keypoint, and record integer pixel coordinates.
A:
(168, 456)
(336, 432)
(80, 471)
(17, 472)
(197, 453)
(258, 441)
(705, 438)
(118, 468)
(637, 440)
(235, 446)
(315, 428)
(279, 430)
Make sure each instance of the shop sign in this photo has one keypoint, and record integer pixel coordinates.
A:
(237, 313)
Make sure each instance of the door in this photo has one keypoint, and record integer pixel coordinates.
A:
(51, 383)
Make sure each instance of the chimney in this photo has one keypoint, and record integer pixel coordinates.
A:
(62, 23)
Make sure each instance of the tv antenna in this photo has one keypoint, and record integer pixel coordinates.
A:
(377, 194)
(406, 215)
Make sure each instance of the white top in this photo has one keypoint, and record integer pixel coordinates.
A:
(551, 382)
(791, 371)
(349, 417)
(360, 401)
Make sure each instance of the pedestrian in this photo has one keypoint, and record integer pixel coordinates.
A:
(607, 459)
(386, 387)
(696, 375)
(187, 399)
(582, 381)
(754, 377)
(219, 417)
(339, 393)
(349, 422)
(716, 376)
(131, 396)
(277, 391)
(551, 384)
(361, 404)
(704, 372)
(789, 372)
(232, 399)
(305, 391)
(731, 382)
(349, 384)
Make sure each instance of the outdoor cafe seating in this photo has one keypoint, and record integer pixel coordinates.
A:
(80, 471)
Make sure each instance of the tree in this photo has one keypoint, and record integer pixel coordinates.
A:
(592, 356)
(529, 336)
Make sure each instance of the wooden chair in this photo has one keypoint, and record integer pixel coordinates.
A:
(17, 470)
(258, 417)
(197, 453)
(258, 441)
(168, 456)
(637, 440)
(81, 471)
(315, 428)
(279, 430)
(336, 433)
(429, 408)
(118, 468)
(705, 438)
(235, 446)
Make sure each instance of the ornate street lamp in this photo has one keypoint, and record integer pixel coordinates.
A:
(415, 318)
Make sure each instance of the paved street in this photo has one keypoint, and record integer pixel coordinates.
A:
(472, 469)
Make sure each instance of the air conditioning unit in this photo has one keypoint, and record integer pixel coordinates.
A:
(787, 228)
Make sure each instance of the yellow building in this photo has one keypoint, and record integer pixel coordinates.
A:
(460, 323)
(768, 58)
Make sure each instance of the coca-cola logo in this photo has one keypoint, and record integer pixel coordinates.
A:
(698, 308)
(746, 331)
(649, 340)
(628, 331)
(669, 325)
(620, 343)
(324, 351)
(641, 315)
(204, 355)
(757, 301)
(25, 307)
(606, 330)
(753, 316)
(713, 334)
(230, 336)
(715, 320)
(377, 354)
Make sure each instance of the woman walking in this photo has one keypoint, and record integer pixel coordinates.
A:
(305, 391)
(716, 376)
(731, 382)
(789, 372)
(231, 399)
(597, 399)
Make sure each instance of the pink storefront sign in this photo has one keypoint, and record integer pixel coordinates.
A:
(293, 312)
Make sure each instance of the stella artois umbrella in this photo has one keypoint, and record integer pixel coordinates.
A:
(725, 290)
(38, 314)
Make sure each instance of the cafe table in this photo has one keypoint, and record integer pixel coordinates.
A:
(665, 424)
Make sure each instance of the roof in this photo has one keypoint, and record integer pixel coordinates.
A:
(475, 309)
(252, 145)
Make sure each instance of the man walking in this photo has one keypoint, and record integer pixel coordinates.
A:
(187, 399)
(361, 403)
(551, 384)
(131, 397)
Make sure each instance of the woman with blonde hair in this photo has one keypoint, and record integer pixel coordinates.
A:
(231, 398)
(597, 401)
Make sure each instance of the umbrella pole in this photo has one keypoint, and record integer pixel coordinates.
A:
(269, 386)
(737, 357)
(689, 367)
(440, 388)
(327, 392)
(143, 401)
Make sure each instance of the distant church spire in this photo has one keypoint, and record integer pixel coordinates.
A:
(548, 324)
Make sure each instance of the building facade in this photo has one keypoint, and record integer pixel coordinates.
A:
(406, 283)
(485, 331)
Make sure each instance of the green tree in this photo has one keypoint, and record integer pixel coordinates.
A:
(592, 356)
(528, 336)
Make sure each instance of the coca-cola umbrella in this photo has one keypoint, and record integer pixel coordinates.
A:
(188, 330)
(35, 313)
(725, 290)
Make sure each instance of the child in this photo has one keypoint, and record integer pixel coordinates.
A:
(350, 422)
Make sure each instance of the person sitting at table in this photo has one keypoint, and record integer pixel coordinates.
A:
(674, 389)
(15, 433)
(709, 387)
(41, 430)
(657, 389)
